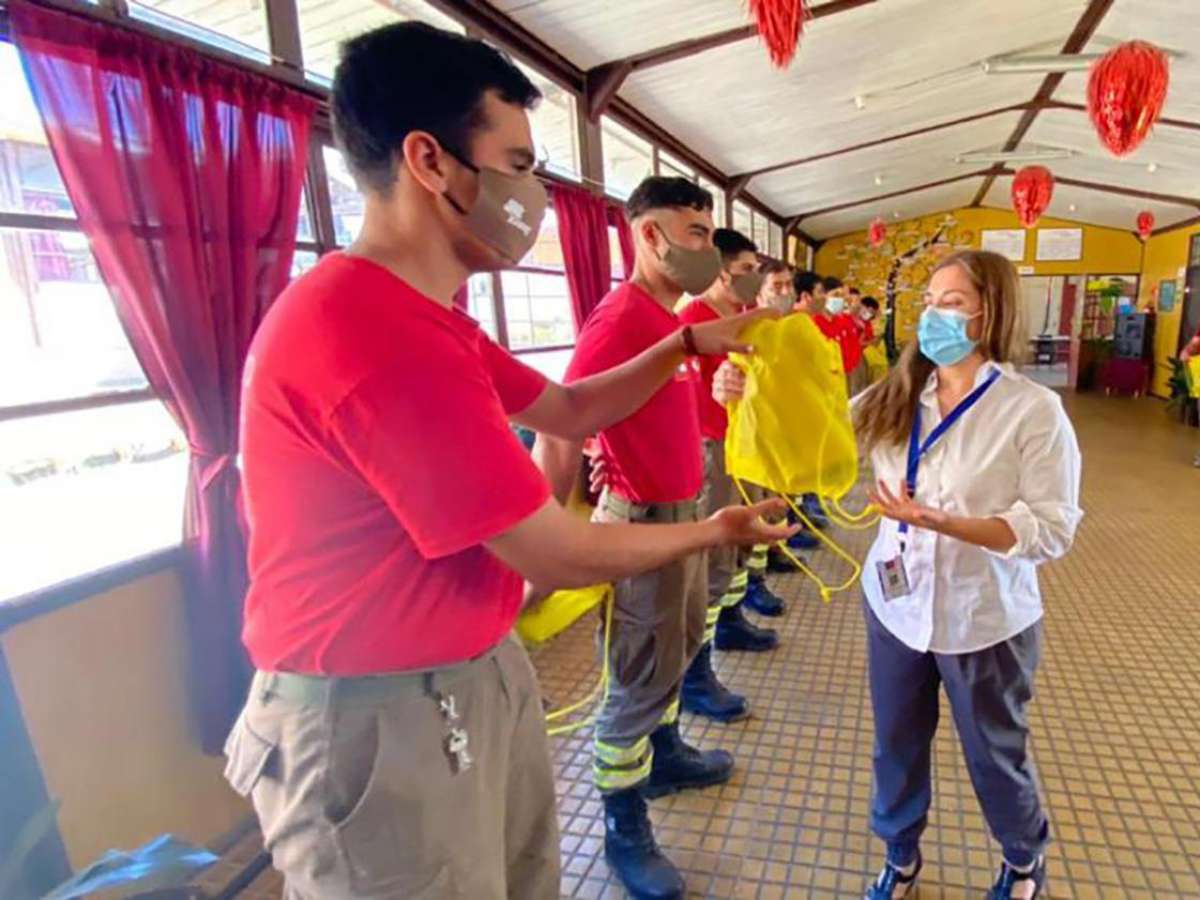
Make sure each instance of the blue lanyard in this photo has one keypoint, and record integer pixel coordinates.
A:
(917, 448)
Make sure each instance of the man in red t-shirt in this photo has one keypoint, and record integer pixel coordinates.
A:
(727, 627)
(393, 742)
(654, 473)
(837, 324)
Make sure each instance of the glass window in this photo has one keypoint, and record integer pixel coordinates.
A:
(742, 219)
(776, 241)
(555, 130)
(344, 197)
(83, 490)
(302, 261)
(551, 363)
(326, 24)
(537, 310)
(481, 305)
(29, 180)
(304, 226)
(627, 158)
(761, 237)
(718, 202)
(616, 260)
(547, 251)
(234, 26)
(670, 165)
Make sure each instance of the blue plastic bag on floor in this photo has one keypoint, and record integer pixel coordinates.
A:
(164, 862)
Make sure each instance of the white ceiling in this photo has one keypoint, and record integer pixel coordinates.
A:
(914, 63)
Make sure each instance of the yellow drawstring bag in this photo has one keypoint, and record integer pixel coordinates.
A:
(791, 432)
(1192, 372)
(876, 359)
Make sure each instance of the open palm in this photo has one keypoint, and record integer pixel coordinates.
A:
(903, 508)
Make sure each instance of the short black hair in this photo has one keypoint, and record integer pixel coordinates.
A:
(806, 282)
(662, 192)
(771, 266)
(853, 290)
(408, 77)
(870, 302)
(732, 243)
(831, 282)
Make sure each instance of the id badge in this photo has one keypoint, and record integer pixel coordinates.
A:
(893, 577)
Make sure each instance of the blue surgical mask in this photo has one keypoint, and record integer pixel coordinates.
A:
(834, 305)
(942, 336)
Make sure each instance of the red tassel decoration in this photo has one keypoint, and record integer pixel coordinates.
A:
(1032, 189)
(1126, 93)
(780, 24)
(1145, 224)
(877, 233)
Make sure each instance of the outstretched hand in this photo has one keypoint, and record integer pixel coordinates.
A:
(903, 508)
(729, 383)
(745, 526)
(721, 336)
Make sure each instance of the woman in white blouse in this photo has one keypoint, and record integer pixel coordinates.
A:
(978, 480)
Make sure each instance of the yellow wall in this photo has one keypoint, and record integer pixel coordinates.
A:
(1106, 251)
(102, 688)
(1166, 257)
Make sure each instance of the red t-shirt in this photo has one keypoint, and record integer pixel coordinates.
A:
(866, 330)
(653, 456)
(377, 459)
(713, 418)
(841, 328)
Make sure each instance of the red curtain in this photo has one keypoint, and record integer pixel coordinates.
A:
(616, 218)
(186, 176)
(583, 233)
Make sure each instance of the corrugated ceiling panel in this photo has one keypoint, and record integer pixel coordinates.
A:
(946, 197)
(1098, 208)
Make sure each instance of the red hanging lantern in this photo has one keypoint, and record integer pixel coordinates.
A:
(1126, 92)
(877, 232)
(1145, 224)
(780, 24)
(1032, 189)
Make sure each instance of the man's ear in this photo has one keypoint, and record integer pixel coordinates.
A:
(422, 155)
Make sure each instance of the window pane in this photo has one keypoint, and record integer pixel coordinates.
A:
(480, 305)
(29, 180)
(325, 24)
(551, 363)
(547, 252)
(344, 197)
(302, 261)
(718, 202)
(741, 219)
(670, 165)
(537, 310)
(627, 158)
(237, 27)
(83, 490)
(776, 234)
(304, 228)
(59, 334)
(615, 258)
(761, 237)
(555, 132)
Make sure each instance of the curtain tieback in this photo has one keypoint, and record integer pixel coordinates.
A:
(209, 465)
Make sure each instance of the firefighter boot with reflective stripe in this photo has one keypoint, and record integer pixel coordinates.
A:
(736, 632)
(703, 694)
(631, 851)
(677, 766)
(761, 599)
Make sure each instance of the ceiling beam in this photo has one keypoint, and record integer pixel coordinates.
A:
(1079, 107)
(888, 196)
(1088, 22)
(1186, 223)
(600, 86)
(854, 148)
(692, 46)
(1119, 189)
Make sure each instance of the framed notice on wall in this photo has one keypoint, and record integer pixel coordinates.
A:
(1008, 242)
(1166, 295)
(1059, 244)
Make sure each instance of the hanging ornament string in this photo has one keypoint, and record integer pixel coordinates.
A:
(780, 24)
(1126, 92)
(1032, 189)
(1145, 224)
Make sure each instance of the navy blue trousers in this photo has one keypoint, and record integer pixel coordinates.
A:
(989, 692)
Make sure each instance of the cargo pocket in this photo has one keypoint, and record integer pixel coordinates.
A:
(247, 754)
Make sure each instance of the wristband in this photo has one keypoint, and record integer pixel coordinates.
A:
(689, 341)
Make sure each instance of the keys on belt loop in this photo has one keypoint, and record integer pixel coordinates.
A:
(457, 739)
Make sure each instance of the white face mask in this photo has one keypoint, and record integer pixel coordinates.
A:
(834, 305)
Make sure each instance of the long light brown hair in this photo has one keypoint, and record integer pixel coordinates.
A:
(885, 414)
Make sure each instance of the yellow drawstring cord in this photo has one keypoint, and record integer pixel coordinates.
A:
(600, 689)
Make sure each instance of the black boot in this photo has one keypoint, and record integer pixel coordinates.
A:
(703, 694)
(631, 851)
(761, 599)
(677, 766)
(736, 632)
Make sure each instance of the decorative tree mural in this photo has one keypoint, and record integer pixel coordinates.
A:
(898, 270)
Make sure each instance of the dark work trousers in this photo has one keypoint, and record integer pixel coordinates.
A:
(989, 691)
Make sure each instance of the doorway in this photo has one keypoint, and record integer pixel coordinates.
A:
(1048, 330)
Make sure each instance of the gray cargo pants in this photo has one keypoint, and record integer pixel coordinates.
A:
(989, 691)
(657, 629)
(728, 572)
(359, 797)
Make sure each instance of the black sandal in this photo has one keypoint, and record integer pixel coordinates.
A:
(891, 878)
(1010, 878)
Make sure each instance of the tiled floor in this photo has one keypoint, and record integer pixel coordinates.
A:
(1116, 721)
